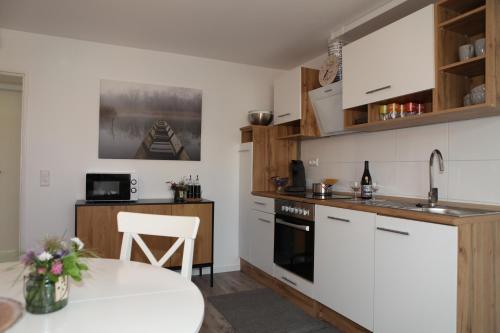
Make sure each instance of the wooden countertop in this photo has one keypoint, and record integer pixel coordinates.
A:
(140, 202)
(400, 213)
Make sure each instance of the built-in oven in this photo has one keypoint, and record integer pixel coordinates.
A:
(294, 237)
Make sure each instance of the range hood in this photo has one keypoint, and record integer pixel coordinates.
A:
(327, 105)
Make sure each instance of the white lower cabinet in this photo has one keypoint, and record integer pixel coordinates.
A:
(344, 262)
(415, 277)
(304, 286)
(261, 228)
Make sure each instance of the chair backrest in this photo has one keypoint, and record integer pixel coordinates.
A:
(183, 227)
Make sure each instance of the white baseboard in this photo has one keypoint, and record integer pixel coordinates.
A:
(9, 255)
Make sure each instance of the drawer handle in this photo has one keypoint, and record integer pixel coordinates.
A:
(283, 115)
(264, 220)
(338, 219)
(394, 231)
(328, 90)
(289, 281)
(378, 89)
(259, 203)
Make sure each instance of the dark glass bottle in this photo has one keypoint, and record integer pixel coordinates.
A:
(190, 188)
(366, 183)
(197, 188)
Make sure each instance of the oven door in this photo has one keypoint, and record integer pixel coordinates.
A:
(294, 245)
(108, 187)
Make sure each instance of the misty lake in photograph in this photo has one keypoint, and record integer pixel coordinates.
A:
(141, 121)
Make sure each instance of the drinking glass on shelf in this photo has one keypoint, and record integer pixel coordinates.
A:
(375, 188)
(355, 186)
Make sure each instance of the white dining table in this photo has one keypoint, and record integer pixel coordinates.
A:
(115, 296)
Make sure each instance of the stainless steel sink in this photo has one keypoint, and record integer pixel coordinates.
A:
(453, 211)
(440, 210)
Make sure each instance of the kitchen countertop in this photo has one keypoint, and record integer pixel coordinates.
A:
(393, 212)
(139, 202)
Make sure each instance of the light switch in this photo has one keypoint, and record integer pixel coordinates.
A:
(44, 178)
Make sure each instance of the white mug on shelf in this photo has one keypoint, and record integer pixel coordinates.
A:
(465, 52)
(480, 46)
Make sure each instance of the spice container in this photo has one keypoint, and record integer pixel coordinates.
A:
(420, 108)
(410, 109)
(382, 111)
(394, 110)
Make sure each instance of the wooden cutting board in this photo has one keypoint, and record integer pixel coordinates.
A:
(10, 312)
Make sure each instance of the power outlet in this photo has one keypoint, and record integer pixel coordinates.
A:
(44, 178)
(314, 163)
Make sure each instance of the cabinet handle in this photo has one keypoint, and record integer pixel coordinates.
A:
(394, 231)
(338, 219)
(327, 90)
(259, 203)
(283, 115)
(289, 281)
(378, 89)
(243, 150)
(264, 220)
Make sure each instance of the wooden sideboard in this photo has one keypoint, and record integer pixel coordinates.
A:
(96, 225)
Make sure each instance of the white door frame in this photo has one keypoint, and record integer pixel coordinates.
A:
(23, 150)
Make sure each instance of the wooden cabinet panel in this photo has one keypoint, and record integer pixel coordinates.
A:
(97, 227)
(203, 242)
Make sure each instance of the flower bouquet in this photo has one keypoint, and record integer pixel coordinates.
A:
(46, 286)
(179, 189)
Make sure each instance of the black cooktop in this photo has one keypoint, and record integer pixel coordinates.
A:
(310, 195)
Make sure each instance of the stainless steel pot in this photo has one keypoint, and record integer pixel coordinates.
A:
(321, 189)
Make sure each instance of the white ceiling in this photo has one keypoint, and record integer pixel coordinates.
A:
(270, 33)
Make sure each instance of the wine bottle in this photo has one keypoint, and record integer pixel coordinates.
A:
(366, 183)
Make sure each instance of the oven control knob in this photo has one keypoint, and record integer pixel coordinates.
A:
(295, 210)
(300, 210)
(285, 208)
(306, 212)
(282, 208)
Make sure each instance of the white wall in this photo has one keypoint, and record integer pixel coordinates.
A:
(61, 127)
(399, 160)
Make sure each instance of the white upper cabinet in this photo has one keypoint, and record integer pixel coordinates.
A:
(393, 61)
(344, 262)
(415, 277)
(288, 96)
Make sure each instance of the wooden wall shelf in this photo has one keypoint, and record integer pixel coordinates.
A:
(470, 23)
(455, 114)
(471, 67)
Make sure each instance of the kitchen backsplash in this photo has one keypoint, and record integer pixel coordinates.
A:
(399, 160)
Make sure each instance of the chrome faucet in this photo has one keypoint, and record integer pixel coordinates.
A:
(433, 192)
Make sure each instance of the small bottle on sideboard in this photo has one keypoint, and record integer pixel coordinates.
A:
(366, 183)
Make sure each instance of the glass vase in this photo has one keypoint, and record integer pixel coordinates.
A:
(44, 296)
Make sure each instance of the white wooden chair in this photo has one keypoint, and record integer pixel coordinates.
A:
(183, 227)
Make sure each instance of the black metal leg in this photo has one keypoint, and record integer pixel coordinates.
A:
(201, 270)
(212, 275)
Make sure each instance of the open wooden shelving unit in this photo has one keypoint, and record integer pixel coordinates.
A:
(457, 22)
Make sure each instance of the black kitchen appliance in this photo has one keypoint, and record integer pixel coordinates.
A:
(298, 177)
(114, 186)
(294, 237)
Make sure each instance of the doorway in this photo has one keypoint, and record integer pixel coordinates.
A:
(11, 96)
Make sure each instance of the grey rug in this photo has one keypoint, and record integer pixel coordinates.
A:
(264, 311)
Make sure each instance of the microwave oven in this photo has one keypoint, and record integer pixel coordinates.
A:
(116, 186)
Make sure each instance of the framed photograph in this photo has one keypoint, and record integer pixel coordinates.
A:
(151, 122)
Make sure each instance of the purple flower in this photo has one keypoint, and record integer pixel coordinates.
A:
(28, 258)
